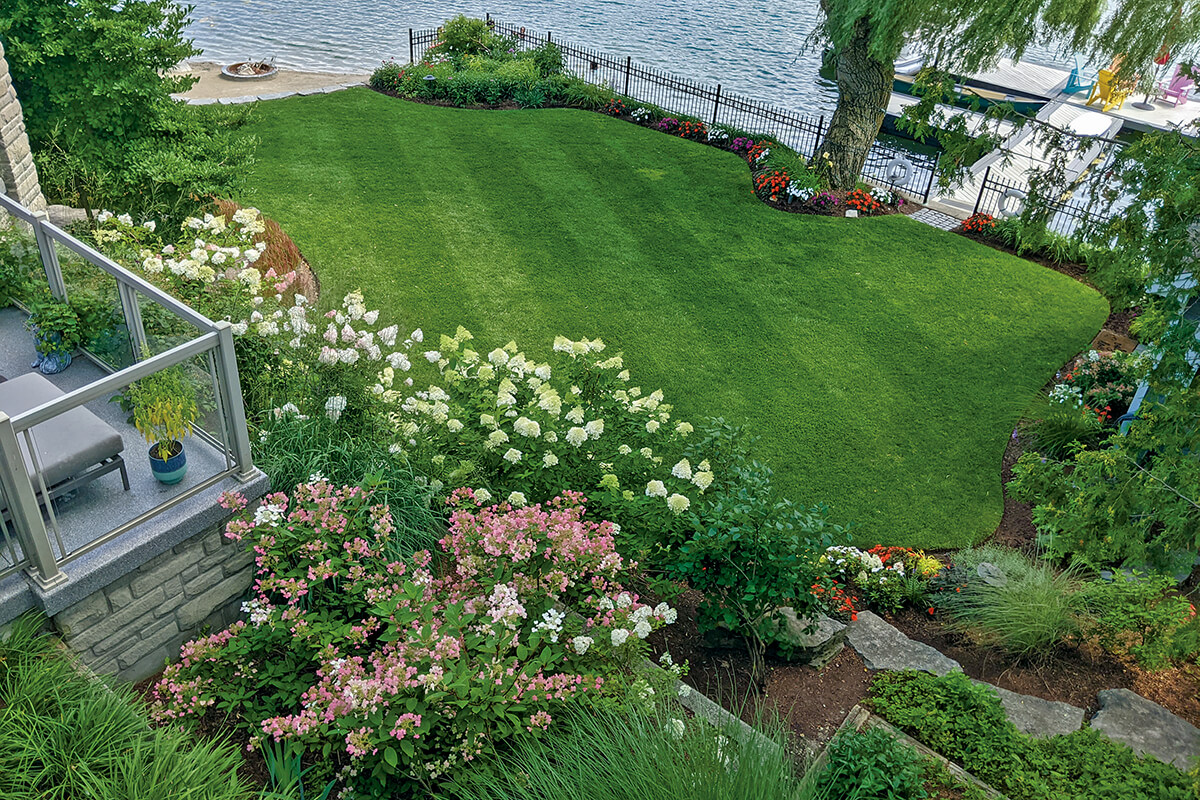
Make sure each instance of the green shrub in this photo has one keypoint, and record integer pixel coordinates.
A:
(93, 77)
(609, 756)
(548, 60)
(465, 36)
(871, 764)
(20, 262)
(523, 72)
(1138, 614)
(966, 723)
(531, 97)
(63, 735)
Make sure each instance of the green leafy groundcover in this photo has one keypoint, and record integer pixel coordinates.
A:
(883, 363)
(964, 722)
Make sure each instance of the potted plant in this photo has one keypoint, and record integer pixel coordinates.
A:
(164, 410)
(57, 333)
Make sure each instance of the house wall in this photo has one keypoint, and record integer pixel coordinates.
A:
(17, 171)
(135, 624)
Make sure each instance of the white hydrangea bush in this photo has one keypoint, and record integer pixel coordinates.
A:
(524, 430)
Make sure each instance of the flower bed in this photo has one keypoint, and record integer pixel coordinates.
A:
(472, 67)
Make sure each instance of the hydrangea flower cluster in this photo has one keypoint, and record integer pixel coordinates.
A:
(405, 672)
(533, 427)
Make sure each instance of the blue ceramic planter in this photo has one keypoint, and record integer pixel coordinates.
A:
(57, 360)
(173, 469)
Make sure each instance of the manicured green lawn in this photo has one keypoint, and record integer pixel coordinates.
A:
(883, 363)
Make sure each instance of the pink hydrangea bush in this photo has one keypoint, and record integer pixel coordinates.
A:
(399, 672)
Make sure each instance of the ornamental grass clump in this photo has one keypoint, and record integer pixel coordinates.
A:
(66, 735)
(403, 672)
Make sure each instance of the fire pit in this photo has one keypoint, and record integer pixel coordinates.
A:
(249, 71)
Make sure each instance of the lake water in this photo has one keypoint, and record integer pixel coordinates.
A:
(754, 47)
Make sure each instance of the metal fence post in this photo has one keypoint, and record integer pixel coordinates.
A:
(929, 183)
(716, 103)
(133, 319)
(234, 407)
(411, 57)
(26, 513)
(628, 69)
(49, 255)
(979, 198)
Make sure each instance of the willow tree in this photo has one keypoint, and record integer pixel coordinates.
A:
(968, 36)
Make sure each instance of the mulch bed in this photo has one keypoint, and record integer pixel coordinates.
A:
(811, 703)
(839, 210)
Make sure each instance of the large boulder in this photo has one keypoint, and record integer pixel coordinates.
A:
(882, 646)
(1146, 727)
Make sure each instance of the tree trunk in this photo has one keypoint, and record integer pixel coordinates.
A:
(864, 88)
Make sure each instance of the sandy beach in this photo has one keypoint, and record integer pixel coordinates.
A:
(212, 84)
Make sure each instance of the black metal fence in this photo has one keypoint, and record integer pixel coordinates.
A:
(1068, 217)
(908, 172)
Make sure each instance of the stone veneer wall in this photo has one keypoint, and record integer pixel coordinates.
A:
(17, 171)
(135, 624)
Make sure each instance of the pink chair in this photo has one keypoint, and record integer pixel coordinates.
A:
(1176, 91)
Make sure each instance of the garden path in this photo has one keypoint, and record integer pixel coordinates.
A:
(883, 646)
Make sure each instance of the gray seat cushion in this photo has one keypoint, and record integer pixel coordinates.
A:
(66, 445)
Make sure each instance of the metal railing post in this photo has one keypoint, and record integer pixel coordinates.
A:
(49, 256)
(411, 58)
(25, 511)
(716, 104)
(234, 407)
(982, 186)
(628, 69)
(133, 319)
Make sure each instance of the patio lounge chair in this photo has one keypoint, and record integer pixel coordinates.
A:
(73, 449)
(1176, 92)
(1108, 91)
(1081, 79)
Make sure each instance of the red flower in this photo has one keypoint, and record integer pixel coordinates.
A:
(931, 610)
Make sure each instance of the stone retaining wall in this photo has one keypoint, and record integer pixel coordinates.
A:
(135, 624)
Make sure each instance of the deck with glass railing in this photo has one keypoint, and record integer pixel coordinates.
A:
(53, 544)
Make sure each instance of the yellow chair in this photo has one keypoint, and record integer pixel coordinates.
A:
(1108, 91)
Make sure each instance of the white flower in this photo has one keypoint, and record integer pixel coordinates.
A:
(454, 426)
(684, 428)
(575, 415)
(432, 356)
(496, 438)
(678, 503)
(125, 219)
(483, 496)
(624, 600)
(677, 727)
(684, 690)
(594, 428)
(513, 455)
(669, 616)
(549, 459)
(487, 420)
(682, 470)
(656, 489)
(703, 480)
(417, 336)
(542, 371)
(334, 407)
(527, 427)
(619, 635)
(498, 357)
(517, 499)
(576, 436)
(642, 629)
(651, 425)
(624, 449)
(581, 644)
